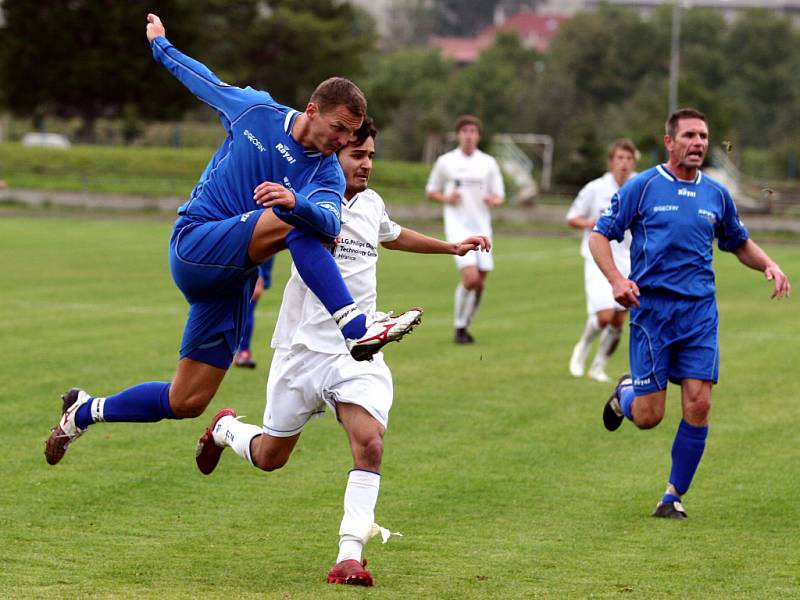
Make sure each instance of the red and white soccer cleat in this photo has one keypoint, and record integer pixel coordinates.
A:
(383, 328)
(63, 434)
(350, 572)
(207, 452)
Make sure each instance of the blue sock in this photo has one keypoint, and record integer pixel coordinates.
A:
(143, 403)
(247, 330)
(626, 398)
(687, 450)
(320, 273)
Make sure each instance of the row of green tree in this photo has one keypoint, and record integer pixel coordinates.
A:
(605, 75)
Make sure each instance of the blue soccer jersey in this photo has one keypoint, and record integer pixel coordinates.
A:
(259, 147)
(673, 223)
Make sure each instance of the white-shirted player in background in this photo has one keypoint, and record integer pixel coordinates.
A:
(312, 367)
(606, 316)
(468, 182)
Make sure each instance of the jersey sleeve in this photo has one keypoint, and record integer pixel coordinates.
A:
(388, 230)
(620, 214)
(228, 100)
(495, 184)
(318, 204)
(730, 231)
(438, 177)
(582, 204)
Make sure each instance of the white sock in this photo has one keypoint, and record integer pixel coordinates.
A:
(230, 431)
(360, 498)
(96, 409)
(346, 314)
(464, 306)
(609, 340)
(590, 331)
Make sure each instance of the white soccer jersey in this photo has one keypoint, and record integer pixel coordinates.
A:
(475, 176)
(303, 320)
(592, 200)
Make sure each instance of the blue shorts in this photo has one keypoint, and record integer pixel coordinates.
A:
(673, 338)
(210, 265)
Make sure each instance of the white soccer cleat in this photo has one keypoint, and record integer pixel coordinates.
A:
(63, 434)
(598, 375)
(578, 360)
(383, 328)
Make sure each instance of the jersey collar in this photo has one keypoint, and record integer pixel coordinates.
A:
(664, 172)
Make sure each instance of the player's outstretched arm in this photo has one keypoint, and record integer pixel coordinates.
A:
(414, 241)
(229, 100)
(751, 255)
(625, 291)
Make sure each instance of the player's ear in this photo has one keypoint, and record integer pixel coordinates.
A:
(312, 109)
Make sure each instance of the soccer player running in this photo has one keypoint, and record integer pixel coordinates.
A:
(244, 356)
(674, 211)
(311, 367)
(276, 169)
(468, 182)
(606, 315)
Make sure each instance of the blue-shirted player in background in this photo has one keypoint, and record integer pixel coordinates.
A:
(275, 170)
(674, 212)
(244, 356)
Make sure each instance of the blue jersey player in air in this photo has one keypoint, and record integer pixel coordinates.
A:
(674, 212)
(275, 182)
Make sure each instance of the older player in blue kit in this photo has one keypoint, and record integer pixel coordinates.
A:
(674, 211)
(273, 183)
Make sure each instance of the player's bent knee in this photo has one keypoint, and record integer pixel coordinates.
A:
(371, 453)
(270, 462)
(190, 406)
(648, 420)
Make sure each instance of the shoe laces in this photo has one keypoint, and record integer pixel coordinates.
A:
(379, 317)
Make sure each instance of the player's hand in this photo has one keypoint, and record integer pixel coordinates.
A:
(782, 286)
(473, 242)
(269, 194)
(626, 292)
(155, 28)
(453, 198)
(492, 200)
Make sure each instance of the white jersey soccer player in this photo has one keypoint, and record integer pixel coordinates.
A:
(312, 368)
(468, 182)
(605, 316)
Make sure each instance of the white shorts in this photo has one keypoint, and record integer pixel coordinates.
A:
(599, 295)
(476, 258)
(302, 382)
(455, 232)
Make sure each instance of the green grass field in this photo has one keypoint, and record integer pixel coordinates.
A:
(153, 172)
(497, 469)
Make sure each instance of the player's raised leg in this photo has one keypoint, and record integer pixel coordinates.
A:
(188, 395)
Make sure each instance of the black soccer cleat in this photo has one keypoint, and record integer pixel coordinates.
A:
(670, 510)
(612, 411)
(463, 336)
